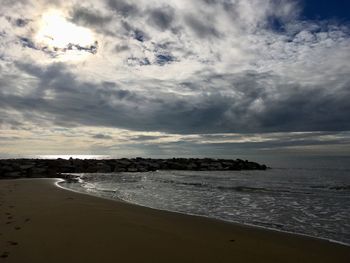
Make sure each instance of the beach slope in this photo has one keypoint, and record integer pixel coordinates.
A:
(40, 222)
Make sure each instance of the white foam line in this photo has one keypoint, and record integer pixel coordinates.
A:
(57, 183)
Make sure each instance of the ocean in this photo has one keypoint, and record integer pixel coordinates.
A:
(309, 196)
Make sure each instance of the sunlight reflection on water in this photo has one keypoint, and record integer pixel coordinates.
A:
(77, 156)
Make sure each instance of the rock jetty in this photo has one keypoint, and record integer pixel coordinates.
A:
(58, 168)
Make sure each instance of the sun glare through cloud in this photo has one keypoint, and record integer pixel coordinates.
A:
(65, 39)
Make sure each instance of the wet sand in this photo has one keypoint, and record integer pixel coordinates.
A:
(40, 222)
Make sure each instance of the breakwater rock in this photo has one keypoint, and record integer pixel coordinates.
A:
(43, 168)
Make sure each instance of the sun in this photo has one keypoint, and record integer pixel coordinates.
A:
(61, 37)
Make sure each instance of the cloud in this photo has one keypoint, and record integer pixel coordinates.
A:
(87, 17)
(123, 8)
(102, 136)
(161, 18)
(60, 96)
(201, 29)
(178, 67)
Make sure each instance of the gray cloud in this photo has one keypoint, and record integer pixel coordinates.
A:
(201, 28)
(280, 144)
(88, 17)
(22, 22)
(18, 22)
(102, 136)
(162, 18)
(122, 7)
(180, 67)
(251, 108)
(149, 137)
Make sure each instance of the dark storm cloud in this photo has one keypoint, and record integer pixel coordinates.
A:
(318, 110)
(252, 109)
(75, 102)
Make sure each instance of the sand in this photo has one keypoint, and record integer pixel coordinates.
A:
(40, 222)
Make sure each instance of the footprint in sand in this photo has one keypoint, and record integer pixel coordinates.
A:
(26, 220)
(9, 222)
(12, 243)
(17, 228)
(5, 254)
(232, 240)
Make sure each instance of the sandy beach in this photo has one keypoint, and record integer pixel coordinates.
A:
(40, 222)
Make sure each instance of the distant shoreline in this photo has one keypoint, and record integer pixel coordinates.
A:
(58, 168)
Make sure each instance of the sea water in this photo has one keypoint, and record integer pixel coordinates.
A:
(300, 198)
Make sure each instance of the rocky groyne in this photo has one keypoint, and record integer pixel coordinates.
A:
(58, 168)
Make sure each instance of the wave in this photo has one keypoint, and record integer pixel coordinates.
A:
(282, 200)
(253, 189)
(134, 178)
(275, 226)
(332, 187)
(313, 169)
(239, 188)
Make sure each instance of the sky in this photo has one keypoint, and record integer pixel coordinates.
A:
(155, 78)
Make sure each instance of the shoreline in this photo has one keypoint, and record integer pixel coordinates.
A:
(48, 219)
(59, 180)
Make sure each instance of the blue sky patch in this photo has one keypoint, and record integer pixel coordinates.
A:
(326, 9)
